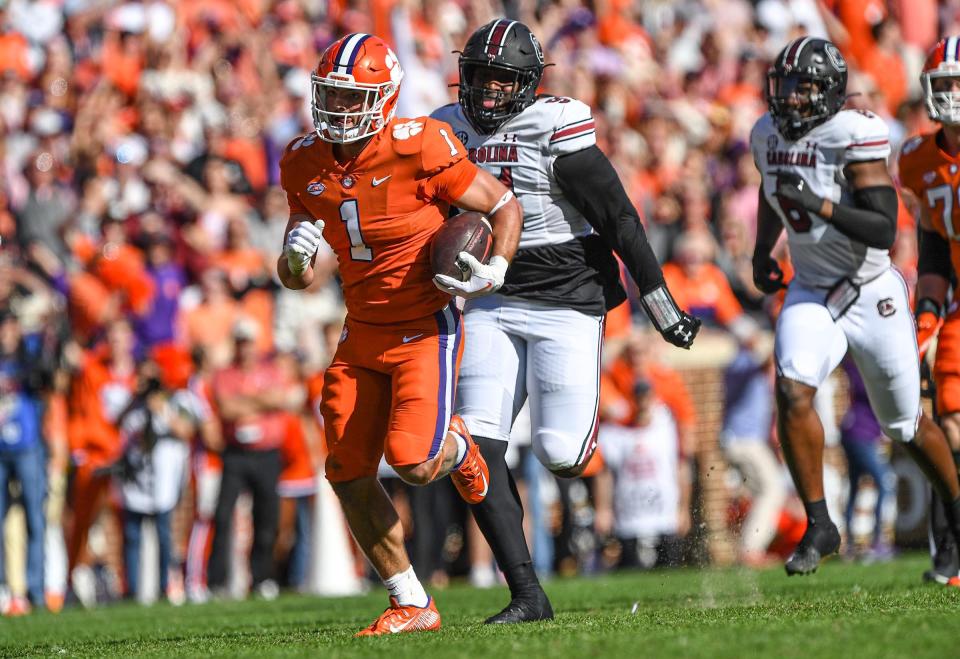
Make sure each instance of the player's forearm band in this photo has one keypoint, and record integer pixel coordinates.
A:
(873, 221)
(661, 308)
(934, 255)
(507, 196)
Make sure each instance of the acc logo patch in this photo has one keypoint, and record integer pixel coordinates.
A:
(886, 308)
(462, 136)
(407, 130)
(772, 142)
(315, 188)
(929, 177)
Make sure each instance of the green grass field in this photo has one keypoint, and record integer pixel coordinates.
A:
(843, 611)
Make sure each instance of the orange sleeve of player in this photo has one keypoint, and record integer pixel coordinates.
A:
(907, 175)
(289, 180)
(444, 162)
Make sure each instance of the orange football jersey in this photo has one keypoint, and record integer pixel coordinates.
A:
(934, 177)
(381, 210)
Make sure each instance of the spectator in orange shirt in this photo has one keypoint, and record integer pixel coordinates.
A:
(638, 362)
(298, 483)
(121, 268)
(100, 389)
(700, 285)
(208, 325)
(249, 279)
(15, 55)
(884, 63)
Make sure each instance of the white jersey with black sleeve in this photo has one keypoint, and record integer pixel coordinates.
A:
(560, 257)
(821, 254)
(521, 154)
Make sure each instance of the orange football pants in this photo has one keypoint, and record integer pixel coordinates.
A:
(389, 392)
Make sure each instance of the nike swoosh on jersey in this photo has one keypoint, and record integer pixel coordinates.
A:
(377, 181)
(408, 339)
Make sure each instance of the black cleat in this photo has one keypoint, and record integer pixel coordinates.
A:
(524, 608)
(943, 544)
(815, 545)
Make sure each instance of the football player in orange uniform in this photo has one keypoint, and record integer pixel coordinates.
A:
(377, 188)
(930, 178)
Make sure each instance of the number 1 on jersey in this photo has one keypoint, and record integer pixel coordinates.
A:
(446, 138)
(350, 213)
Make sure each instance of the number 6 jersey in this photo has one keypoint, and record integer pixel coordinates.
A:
(821, 255)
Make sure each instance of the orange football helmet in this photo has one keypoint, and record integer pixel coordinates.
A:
(359, 63)
(943, 103)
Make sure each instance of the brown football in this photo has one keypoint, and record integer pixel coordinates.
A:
(467, 232)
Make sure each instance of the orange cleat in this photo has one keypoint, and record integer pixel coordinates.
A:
(401, 619)
(54, 601)
(472, 478)
(19, 606)
(953, 582)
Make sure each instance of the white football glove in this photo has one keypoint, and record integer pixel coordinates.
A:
(485, 278)
(302, 243)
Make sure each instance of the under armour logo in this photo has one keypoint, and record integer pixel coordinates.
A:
(685, 335)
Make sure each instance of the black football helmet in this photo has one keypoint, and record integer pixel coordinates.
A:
(806, 85)
(510, 48)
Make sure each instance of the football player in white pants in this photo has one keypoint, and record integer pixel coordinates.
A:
(825, 180)
(540, 336)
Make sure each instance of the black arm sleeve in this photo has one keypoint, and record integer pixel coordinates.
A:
(873, 221)
(934, 255)
(591, 184)
(769, 227)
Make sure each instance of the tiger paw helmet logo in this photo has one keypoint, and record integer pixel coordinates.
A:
(393, 65)
(407, 129)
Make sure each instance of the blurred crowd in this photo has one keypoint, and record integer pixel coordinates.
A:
(153, 371)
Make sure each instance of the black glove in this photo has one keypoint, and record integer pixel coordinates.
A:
(767, 275)
(796, 190)
(684, 332)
